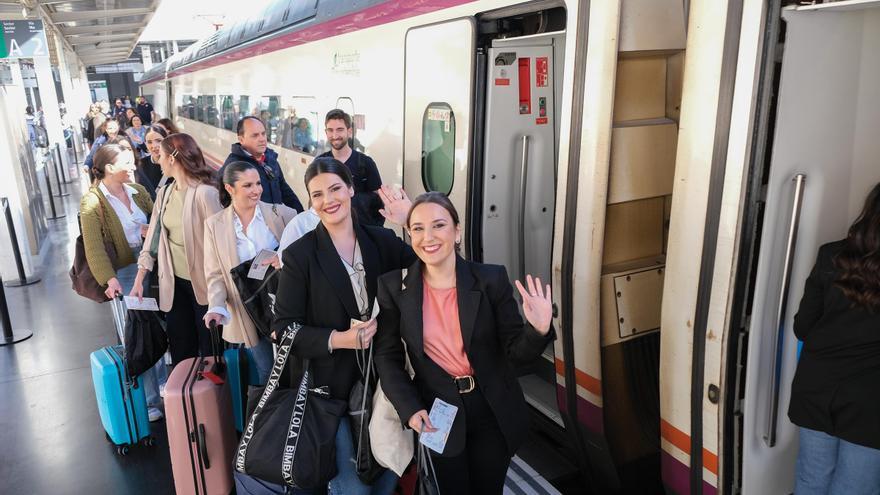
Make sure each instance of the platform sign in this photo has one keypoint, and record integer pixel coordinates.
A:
(23, 39)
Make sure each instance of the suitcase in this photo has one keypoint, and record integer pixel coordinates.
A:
(201, 431)
(122, 404)
(241, 371)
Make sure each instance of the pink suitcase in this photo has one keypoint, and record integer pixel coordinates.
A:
(201, 429)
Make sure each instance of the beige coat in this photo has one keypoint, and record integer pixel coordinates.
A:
(221, 256)
(201, 201)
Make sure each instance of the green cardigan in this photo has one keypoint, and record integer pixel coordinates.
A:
(92, 231)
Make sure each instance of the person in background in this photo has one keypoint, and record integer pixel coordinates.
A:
(301, 224)
(31, 121)
(303, 136)
(182, 209)
(118, 209)
(95, 119)
(463, 333)
(834, 394)
(125, 119)
(169, 125)
(284, 135)
(149, 172)
(118, 108)
(137, 134)
(109, 130)
(127, 101)
(327, 280)
(366, 202)
(251, 226)
(145, 110)
(252, 147)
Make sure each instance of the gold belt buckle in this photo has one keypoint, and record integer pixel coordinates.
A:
(471, 384)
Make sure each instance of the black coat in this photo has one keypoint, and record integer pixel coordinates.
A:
(276, 190)
(494, 336)
(315, 291)
(836, 387)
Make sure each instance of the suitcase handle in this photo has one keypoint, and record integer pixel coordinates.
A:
(203, 446)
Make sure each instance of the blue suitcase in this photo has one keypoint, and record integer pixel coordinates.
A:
(121, 400)
(241, 372)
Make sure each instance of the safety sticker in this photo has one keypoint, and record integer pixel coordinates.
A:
(542, 66)
(541, 120)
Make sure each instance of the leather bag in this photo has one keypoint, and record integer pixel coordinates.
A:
(290, 435)
(145, 341)
(81, 278)
(257, 296)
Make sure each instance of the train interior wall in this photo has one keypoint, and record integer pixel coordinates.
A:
(827, 116)
(644, 136)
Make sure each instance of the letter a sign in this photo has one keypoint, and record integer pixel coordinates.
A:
(23, 39)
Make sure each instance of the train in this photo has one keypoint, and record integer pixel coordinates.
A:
(672, 166)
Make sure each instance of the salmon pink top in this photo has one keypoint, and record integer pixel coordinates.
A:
(442, 330)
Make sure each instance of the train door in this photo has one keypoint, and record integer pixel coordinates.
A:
(519, 178)
(823, 162)
(438, 88)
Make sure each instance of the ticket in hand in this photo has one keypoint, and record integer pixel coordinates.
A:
(442, 416)
(148, 304)
(258, 269)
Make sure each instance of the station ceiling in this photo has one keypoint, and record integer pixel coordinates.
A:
(99, 31)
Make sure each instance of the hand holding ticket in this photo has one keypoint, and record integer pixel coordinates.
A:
(442, 416)
(147, 304)
(260, 264)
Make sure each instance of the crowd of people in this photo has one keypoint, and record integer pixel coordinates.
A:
(186, 226)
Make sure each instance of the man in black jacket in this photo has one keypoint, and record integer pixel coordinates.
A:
(253, 147)
(364, 173)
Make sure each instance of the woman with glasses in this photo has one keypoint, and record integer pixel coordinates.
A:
(178, 222)
(328, 285)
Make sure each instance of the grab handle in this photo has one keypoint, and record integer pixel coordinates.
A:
(781, 309)
(203, 446)
(523, 184)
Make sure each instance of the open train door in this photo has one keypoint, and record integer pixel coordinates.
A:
(438, 92)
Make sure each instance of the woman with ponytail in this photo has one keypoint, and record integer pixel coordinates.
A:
(237, 234)
(834, 395)
(179, 214)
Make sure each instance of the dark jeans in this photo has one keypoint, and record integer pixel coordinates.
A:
(187, 335)
(481, 468)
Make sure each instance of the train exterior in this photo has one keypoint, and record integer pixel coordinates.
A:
(657, 159)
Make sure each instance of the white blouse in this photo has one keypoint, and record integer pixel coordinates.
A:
(131, 220)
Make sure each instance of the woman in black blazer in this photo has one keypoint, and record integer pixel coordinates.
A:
(462, 331)
(835, 395)
(316, 288)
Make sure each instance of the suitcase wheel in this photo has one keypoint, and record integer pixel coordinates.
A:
(107, 436)
(122, 449)
(148, 442)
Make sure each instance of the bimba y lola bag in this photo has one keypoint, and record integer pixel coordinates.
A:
(304, 457)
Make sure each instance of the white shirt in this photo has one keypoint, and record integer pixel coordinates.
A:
(131, 220)
(248, 245)
(301, 224)
(257, 238)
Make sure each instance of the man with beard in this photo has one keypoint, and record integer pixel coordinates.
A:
(253, 147)
(366, 201)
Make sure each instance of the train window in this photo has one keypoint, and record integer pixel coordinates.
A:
(298, 125)
(211, 115)
(244, 107)
(187, 107)
(228, 116)
(438, 147)
(200, 108)
(269, 111)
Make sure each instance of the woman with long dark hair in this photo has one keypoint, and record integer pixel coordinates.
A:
(463, 331)
(328, 281)
(179, 214)
(249, 226)
(149, 169)
(835, 396)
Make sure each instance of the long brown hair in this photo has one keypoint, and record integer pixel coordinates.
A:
(188, 154)
(859, 260)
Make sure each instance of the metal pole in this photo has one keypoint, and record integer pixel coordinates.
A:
(16, 251)
(55, 215)
(61, 192)
(61, 163)
(10, 335)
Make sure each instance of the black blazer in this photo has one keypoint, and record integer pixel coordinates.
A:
(835, 388)
(315, 291)
(494, 335)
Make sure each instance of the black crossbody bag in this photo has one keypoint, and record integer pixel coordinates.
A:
(305, 456)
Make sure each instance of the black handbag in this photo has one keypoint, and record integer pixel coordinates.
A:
(427, 481)
(145, 341)
(290, 436)
(360, 410)
(258, 296)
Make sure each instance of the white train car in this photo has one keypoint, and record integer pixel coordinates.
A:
(656, 158)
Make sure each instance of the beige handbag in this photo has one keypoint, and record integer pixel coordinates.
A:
(391, 443)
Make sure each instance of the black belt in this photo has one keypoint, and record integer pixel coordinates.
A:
(465, 384)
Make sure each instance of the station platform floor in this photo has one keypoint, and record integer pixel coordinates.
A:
(51, 438)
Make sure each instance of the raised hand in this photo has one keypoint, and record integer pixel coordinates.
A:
(397, 205)
(537, 304)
